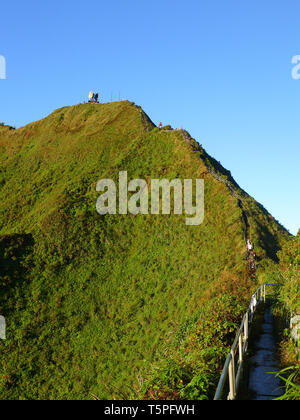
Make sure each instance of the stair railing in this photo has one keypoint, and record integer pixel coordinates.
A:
(234, 363)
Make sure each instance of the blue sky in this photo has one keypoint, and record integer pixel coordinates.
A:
(221, 69)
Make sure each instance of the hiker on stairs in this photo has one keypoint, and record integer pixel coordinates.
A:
(249, 245)
(251, 255)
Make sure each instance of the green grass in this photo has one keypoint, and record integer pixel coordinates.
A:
(116, 305)
(289, 302)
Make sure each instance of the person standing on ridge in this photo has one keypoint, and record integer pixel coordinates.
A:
(93, 97)
(249, 245)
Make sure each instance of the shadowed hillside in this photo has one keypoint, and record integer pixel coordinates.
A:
(115, 305)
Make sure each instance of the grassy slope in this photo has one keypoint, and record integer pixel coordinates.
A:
(290, 298)
(290, 269)
(104, 298)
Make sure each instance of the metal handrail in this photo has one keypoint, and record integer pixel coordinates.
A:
(232, 367)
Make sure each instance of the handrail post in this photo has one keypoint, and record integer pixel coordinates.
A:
(231, 378)
(246, 329)
(260, 293)
(241, 348)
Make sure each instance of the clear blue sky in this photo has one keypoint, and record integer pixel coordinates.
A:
(221, 69)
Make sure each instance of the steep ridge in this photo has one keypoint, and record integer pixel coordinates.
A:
(103, 303)
(263, 223)
(211, 165)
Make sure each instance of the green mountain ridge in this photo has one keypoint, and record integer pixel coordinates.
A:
(101, 304)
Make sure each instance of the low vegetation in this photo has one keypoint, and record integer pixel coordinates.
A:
(287, 307)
